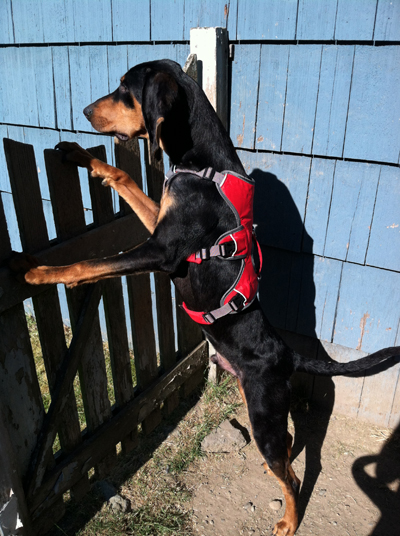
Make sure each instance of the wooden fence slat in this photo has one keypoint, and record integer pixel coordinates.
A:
(92, 373)
(10, 477)
(23, 176)
(62, 387)
(113, 305)
(98, 242)
(17, 441)
(127, 158)
(69, 469)
(165, 322)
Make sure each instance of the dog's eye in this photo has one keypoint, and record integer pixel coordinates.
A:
(123, 88)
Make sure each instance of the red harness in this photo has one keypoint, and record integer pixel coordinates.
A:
(238, 192)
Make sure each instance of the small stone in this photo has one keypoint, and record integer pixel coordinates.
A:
(119, 504)
(225, 438)
(253, 508)
(247, 506)
(322, 492)
(276, 504)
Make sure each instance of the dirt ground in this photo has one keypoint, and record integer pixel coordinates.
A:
(350, 486)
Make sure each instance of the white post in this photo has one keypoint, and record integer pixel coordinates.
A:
(211, 48)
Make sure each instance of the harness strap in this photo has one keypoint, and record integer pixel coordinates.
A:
(225, 250)
(207, 173)
(234, 305)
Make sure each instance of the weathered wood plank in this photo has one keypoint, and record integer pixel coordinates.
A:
(189, 333)
(301, 98)
(6, 22)
(62, 387)
(165, 324)
(280, 199)
(30, 215)
(167, 24)
(45, 87)
(355, 20)
(245, 77)
(79, 67)
(316, 20)
(373, 129)
(19, 389)
(350, 216)
(127, 158)
(28, 21)
(319, 295)
(211, 13)
(92, 373)
(94, 448)
(98, 12)
(318, 204)
(276, 20)
(10, 478)
(99, 242)
(117, 64)
(131, 20)
(272, 95)
(333, 99)
(387, 23)
(113, 304)
(368, 312)
(384, 242)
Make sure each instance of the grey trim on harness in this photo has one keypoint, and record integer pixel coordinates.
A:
(207, 173)
(232, 306)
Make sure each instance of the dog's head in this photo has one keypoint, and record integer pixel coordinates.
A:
(148, 97)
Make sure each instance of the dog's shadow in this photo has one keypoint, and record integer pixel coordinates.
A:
(288, 274)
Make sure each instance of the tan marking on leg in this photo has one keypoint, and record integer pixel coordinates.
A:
(288, 524)
(145, 208)
(72, 275)
(167, 203)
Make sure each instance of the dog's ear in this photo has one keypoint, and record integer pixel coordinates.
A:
(160, 94)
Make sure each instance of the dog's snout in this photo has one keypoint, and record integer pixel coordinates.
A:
(88, 111)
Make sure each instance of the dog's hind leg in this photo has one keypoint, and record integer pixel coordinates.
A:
(145, 208)
(268, 408)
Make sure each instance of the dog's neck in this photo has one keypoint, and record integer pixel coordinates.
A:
(199, 140)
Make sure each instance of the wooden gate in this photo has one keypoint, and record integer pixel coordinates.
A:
(38, 476)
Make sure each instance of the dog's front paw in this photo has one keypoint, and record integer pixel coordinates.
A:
(73, 152)
(21, 264)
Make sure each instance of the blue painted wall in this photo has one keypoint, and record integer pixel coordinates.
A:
(314, 114)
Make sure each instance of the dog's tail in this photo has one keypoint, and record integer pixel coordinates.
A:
(333, 368)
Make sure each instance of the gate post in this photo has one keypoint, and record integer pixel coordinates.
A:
(211, 48)
(14, 516)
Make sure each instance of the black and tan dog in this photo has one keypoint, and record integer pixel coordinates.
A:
(158, 101)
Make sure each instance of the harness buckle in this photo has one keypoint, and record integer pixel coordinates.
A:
(228, 249)
(237, 302)
(208, 173)
(203, 254)
(209, 318)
